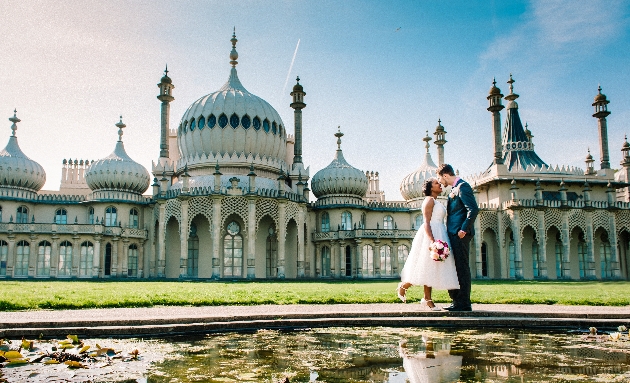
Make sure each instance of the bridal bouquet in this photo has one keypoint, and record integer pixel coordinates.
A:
(439, 251)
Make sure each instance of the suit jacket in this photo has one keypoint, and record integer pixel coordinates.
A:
(462, 209)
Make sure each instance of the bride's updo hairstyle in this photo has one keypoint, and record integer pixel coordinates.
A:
(427, 186)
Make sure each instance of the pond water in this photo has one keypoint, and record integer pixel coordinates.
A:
(356, 355)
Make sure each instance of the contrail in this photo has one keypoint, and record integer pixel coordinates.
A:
(290, 68)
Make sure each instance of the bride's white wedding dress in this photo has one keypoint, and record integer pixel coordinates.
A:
(419, 268)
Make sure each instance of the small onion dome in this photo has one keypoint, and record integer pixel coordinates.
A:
(298, 87)
(339, 178)
(600, 97)
(494, 90)
(118, 171)
(16, 169)
(165, 79)
(589, 157)
(411, 185)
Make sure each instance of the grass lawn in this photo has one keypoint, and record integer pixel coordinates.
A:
(25, 295)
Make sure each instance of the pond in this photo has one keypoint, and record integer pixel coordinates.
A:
(354, 355)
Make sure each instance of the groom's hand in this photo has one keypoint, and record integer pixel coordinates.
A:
(461, 234)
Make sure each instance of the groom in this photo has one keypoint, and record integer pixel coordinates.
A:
(462, 210)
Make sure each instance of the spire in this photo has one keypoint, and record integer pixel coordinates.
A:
(511, 96)
(120, 126)
(234, 53)
(14, 120)
(427, 139)
(339, 135)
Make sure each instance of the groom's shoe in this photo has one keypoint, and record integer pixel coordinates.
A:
(457, 308)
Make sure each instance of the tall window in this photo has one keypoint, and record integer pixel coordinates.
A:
(193, 252)
(368, 261)
(233, 251)
(386, 260)
(484, 259)
(558, 251)
(346, 220)
(348, 259)
(86, 260)
(325, 261)
(22, 254)
(61, 217)
(325, 222)
(132, 261)
(43, 258)
(111, 216)
(388, 222)
(22, 214)
(65, 259)
(271, 258)
(418, 222)
(91, 216)
(535, 259)
(512, 258)
(605, 257)
(362, 222)
(4, 255)
(133, 218)
(108, 260)
(582, 256)
(403, 253)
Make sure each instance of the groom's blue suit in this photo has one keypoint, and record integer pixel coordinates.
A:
(462, 210)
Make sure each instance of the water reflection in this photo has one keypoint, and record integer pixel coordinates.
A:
(393, 355)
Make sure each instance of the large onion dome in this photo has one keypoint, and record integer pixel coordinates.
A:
(411, 185)
(117, 172)
(232, 126)
(16, 169)
(339, 178)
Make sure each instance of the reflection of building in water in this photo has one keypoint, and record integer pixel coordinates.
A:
(433, 363)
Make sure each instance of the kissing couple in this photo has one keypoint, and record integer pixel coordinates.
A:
(439, 255)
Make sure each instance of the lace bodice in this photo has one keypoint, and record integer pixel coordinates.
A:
(439, 212)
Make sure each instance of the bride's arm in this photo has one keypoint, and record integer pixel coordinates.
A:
(427, 212)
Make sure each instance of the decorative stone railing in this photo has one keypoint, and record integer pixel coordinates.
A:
(207, 191)
(52, 228)
(532, 203)
(363, 233)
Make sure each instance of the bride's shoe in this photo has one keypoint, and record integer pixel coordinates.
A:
(403, 298)
(424, 304)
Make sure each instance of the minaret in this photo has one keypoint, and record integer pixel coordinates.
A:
(494, 98)
(601, 112)
(440, 140)
(166, 96)
(625, 164)
(298, 104)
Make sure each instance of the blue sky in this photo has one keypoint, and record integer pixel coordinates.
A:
(383, 71)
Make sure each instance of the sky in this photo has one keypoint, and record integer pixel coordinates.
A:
(385, 72)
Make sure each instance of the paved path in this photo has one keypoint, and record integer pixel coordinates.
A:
(156, 321)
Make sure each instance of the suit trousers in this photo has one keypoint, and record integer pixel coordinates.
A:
(460, 251)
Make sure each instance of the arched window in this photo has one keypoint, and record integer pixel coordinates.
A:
(325, 222)
(91, 216)
(535, 259)
(484, 259)
(368, 261)
(362, 222)
(193, 125)
(233, 251)
(386, 260)
(43, 258)
(212, 121)
(185, 127)
(346, 220)
(4, 256)
(266, 125)
(193, 252)
(65, 259)
(512, 258)
(403, 254)
(86, 260)
(111, 217)
(133, 218)
(132, 261)
(246, 122)
(223, 121)
(22, 254)
(202, 122)
(274, 128)
(271, 258)
(325, 261)
(605, 257)
(388, 222)
(558, 253)
(582, 255)
(107, 270)
(22, 215)
(234, 120)
(280, 131)
(418, 222)
(256, 123)
(61, 217)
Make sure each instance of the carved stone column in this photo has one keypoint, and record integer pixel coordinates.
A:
(566, 246)
(161, 245)
(124, 267)
(32, 259)
(11, 255)
(183, 238)
(282, 234)
(590, 247)
(615, 265)
(216, 236)
(394, 259)
(251, 238)
(96, 262)
(377, 258)
(341, 259)
(115, 244)
(542, 246)
(300, 243)
(54, 255)
(359, 258)
(518, 257)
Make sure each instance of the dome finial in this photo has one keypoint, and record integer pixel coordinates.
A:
(427, 139)
(338, 135)
(297, 79)
(14, 120)
(120, 126)
(234, 54)
(166, 70)
(511, 82)
(494, 81)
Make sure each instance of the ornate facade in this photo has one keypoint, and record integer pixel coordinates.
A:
(230, 200)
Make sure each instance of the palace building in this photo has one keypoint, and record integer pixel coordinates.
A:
(229, 199)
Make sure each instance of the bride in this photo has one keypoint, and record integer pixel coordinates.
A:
(420, 268)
